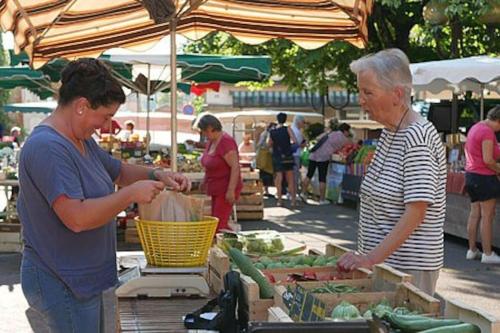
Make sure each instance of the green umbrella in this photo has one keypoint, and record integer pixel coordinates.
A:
(35, 81)
(43, 107)
(229, 69)
(197, 68)
(53, 68)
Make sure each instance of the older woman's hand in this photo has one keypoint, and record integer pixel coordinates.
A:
(350, 261)
(144, 191)
(174, 180)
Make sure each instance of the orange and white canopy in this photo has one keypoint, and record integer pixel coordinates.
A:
(49, 29)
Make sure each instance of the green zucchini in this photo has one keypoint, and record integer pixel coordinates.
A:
(460, 328)
(246, 267)
(418, 323)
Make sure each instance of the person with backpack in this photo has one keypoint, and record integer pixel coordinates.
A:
(320, 154)
(281, 140)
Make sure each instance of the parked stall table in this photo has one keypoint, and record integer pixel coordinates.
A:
(10, 228)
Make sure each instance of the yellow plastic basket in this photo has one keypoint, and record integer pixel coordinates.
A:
(177, 244)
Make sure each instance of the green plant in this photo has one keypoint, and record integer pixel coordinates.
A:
(345, 311)
(313, 130)
(198, 104)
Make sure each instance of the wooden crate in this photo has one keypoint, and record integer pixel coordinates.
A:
(405, 294)
(10, 227)
(250, 206)
(251, 199)
(275, 314)
(218, 266)
(250, 216)
(388, 276)
(456, 309)
(257, 307)
(10, 241)
(335, 250)
(252, 187)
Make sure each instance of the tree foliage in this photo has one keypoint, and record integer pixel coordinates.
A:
(393, 23)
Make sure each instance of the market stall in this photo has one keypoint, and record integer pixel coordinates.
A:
(479, 75)
(10, 227)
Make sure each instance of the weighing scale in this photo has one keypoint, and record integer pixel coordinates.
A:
(152, 281)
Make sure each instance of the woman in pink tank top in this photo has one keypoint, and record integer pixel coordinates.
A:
(482, 170)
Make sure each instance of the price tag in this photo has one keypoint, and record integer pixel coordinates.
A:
(305, 307)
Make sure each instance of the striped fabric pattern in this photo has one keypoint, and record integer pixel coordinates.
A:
(48, 29)
(408, 166)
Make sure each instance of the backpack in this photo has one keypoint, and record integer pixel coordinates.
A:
(232, 316)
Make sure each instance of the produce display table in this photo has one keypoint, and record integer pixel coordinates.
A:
(382, 284)
(458, 209)
(10, 228)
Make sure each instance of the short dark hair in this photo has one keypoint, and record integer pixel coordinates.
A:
(344, 127)
(281, 117)
(209, 120)
(91, 79)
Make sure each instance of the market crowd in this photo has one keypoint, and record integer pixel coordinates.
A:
(67, 209)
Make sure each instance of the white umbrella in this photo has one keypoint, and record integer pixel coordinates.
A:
(458, 75)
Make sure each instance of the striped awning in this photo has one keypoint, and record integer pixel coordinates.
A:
(49, 29)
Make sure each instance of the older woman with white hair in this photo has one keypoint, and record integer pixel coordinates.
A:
(297, 128)
(403, 194)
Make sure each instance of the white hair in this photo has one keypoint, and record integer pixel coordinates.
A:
(298, 118)
(391, 67)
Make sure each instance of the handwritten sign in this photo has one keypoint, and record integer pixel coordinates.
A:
(304, 306)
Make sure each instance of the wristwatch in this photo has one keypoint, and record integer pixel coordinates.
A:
(152, 175)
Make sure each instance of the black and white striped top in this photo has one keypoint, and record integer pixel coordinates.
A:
(408, 166)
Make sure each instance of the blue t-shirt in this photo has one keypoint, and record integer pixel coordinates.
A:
(51, 166)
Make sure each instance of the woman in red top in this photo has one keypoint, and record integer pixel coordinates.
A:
(222, 171)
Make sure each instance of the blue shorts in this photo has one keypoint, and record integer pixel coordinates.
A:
(482, 187)
(283, 163)
(60, 309)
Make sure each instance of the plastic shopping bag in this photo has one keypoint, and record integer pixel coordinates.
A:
(170, 206)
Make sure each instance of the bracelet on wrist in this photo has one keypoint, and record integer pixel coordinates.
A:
(152, 175)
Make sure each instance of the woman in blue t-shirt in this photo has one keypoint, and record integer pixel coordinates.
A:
(68, 202)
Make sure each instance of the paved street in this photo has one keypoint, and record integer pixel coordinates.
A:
(470, 282)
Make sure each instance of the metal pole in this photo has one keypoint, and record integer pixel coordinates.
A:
(148, 93)
(481, 113)
(173, 95)
(454, 113)
(138, 108)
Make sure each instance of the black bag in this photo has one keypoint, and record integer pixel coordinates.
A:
(230, 303)
(320, 142)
